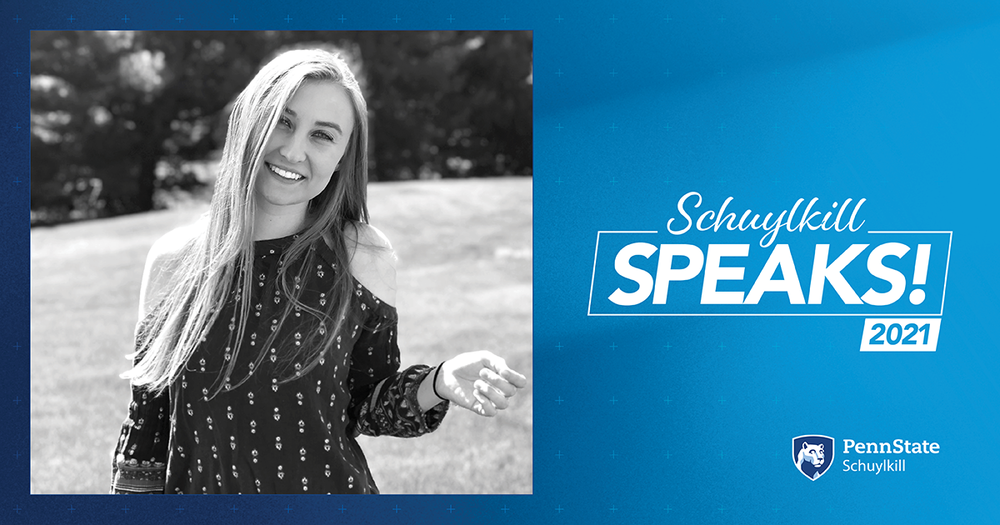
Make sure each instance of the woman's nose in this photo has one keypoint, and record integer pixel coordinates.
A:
(293, 149)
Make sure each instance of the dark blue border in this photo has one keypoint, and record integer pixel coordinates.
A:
(603, 56)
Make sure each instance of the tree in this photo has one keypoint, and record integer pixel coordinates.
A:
(113, 111)
(449, 103)
(110, 106)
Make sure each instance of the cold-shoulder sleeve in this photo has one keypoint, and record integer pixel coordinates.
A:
(140, 459)
(383, 399)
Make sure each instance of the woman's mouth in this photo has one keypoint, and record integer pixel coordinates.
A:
(285, 174)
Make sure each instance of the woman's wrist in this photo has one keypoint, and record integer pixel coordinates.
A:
(434, 382)
(427, 392)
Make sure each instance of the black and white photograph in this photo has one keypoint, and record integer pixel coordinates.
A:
(281, 262)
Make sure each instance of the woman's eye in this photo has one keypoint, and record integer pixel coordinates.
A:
(323, 136)
(285, 122)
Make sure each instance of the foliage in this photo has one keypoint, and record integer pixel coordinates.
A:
(117, 116)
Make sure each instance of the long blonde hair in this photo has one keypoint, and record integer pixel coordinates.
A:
(224, 250)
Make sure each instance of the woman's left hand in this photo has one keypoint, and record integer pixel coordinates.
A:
(479, 381)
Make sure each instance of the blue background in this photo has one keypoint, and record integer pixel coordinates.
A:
(684, 420)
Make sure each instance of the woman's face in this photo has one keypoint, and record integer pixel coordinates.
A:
(305, 148)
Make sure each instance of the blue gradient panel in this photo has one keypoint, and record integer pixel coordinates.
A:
(677, 418)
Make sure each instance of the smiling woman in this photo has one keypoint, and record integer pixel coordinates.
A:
(267, 336)
(304, 151)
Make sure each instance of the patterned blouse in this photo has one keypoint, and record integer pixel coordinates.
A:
(263, 436)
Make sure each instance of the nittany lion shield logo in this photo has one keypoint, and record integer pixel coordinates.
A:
(812, 455)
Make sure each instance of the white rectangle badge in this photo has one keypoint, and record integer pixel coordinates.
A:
(900, 335)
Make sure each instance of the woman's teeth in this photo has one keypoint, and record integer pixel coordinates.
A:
(285, 174)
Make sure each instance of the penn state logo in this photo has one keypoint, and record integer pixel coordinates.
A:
(812, 455)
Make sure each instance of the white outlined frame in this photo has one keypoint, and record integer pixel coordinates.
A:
(940, 312)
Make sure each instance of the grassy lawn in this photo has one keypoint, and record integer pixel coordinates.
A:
(464, 284)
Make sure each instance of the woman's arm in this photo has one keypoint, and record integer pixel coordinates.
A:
(372, 260)
(384, 400)
(162, 262)
(140, 456)
(479, 381)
